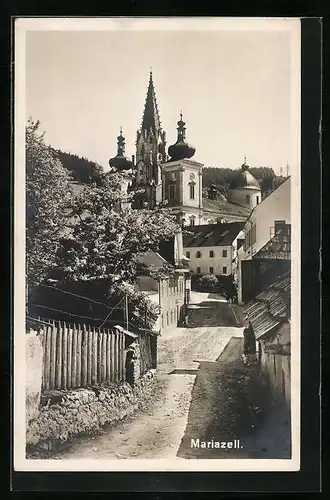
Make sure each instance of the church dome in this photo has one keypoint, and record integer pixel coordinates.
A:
(120, 161)
(244, 179)
(181, 149)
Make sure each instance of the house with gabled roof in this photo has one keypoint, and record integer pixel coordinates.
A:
(212, 248)
(270, 316)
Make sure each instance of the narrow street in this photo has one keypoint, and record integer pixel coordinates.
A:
(199, 370)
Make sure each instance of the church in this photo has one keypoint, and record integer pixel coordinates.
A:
(156, 174)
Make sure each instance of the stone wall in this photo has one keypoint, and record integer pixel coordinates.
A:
(67, 414)
(33, 356)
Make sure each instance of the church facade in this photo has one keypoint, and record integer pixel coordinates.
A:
(156, 175)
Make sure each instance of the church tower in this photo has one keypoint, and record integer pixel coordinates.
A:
(150, 151)
(182, 180)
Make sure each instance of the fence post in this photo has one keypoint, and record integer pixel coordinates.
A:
(108, 357)
(123, 358)
(94, 358)
(112, 356)
(115, 356)
(104, 356)
(69, 367)
(47, 354)
(53, 356)
(64, 356)
(74, 357)
(99, 352)
(58, 372)
(84, 356)
(78, 373)
(89, 356)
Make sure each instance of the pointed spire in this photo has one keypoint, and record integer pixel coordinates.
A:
(151, 118)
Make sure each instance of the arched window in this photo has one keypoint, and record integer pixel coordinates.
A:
(247, 198)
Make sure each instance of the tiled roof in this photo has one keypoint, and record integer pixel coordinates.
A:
(225, 208)
(151, 259)
(207, 235)
(270, 307)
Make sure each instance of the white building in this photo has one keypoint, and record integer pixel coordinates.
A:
(244, 189)
(170, 292)
(212, 248)
(266, 220)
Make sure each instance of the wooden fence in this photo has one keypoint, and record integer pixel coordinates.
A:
(80, 356)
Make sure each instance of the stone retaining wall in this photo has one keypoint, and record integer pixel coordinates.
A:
(67, 414)
(33, 355)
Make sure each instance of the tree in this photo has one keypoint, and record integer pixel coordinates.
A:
(47, 195)
(82, 170)
(208, 282)
(106, 242)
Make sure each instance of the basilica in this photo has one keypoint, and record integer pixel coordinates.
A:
(156, 174)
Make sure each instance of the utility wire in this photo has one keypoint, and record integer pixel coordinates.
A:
(76, 295)
(121, 300)
(67, 313)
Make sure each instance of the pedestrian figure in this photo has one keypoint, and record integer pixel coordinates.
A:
(130, 356)
(249, 342)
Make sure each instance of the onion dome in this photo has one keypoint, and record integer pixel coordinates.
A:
(181, 149)
(244, 179)
(120, 161)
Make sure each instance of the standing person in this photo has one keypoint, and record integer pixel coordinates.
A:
(249, 342)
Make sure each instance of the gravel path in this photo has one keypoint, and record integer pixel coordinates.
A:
(157, 432)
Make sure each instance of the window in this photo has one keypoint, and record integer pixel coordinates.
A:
(198, 254)
(211, 270)
(224, 270)
(166, 318)
(211, 253)
(198, 270)
(192, 191)
(171, 316)
(257, 200)
(171, 191)
(247, 198)
(253, 234)
(188, 255)
(224, 253)
(279, 224)
(192, 221)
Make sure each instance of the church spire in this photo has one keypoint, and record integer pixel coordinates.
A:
(151, 118)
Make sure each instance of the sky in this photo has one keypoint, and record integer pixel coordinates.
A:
(233, 87)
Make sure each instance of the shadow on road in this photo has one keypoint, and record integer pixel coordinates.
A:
(228, 401)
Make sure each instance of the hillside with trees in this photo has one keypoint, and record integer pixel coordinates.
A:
(82, 170)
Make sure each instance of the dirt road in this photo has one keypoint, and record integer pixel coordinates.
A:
(157, 432)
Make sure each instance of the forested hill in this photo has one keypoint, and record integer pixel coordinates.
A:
(83, 171)
(222, 178)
